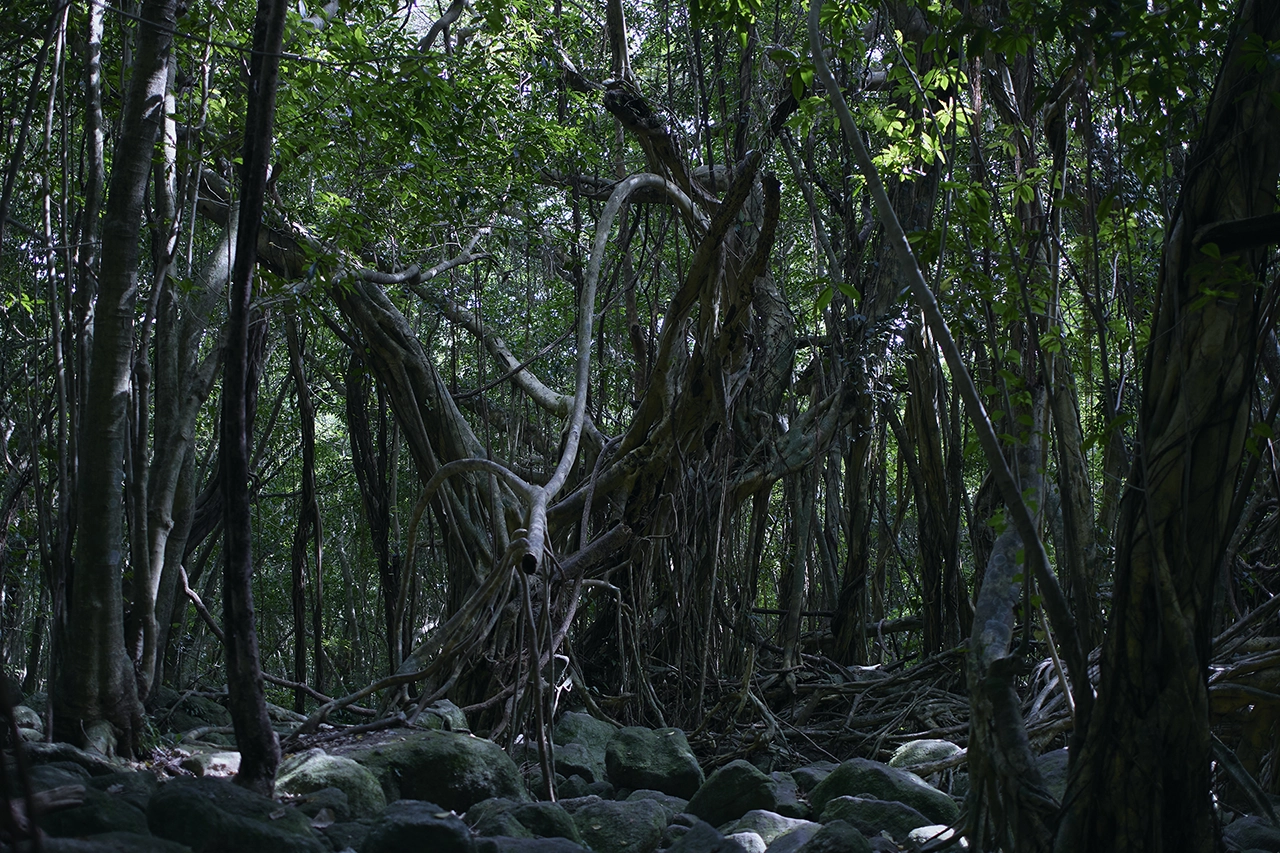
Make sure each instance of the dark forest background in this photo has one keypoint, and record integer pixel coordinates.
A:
(694, 363)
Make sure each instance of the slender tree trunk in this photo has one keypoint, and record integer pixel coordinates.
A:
(370, 463)
(1143, 778)
(307, 530)
(258, 744)
(96, 682)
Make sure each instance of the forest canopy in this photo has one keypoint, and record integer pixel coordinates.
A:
(692, 363)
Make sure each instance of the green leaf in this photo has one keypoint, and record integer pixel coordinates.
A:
(824, 298)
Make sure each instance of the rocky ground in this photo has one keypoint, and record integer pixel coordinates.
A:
(441, 790)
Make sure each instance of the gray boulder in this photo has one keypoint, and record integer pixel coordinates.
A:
(621, 827)
(690, 835)
(871, 817)
(808, 777)
(786, 795)
(214, 814)
(315, 770)
(653, 758)
(859, 777)
(837, 837)
(748, 841)
(673, 805)
(576, 786)
(507, 817)
(795, 839)
(182, 712)
(731, 792)
(917, 752)
(65, 754)
(347, 834)
(573, 759)
(325, 806)
(98, 813)
(585, 738)
(1053, 770)
(417, 825)
(922, 835)
(1252, 833)
(136, 789)
(443, 714)
(454, 770)
(27, 718)
(770, 826)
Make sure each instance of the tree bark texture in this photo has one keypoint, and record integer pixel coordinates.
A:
(257, 742)
(96, 682)
(1143, 779)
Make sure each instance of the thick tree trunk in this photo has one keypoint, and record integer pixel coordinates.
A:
(259, 747)
(1142, 780)
(96, 683)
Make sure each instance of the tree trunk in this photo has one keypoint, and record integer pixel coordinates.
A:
(1142, 780)
(306, 531)
(96, 683)
(257, 742)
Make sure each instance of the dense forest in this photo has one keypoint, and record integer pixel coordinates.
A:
(810, 378)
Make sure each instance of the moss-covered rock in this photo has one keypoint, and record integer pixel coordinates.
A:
(211, 814)
(451, 769)
(731, 792)
(653, 758)
(314, 770)
(859, 777)
(633, 826)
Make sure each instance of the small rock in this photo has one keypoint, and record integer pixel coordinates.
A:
(27, 718)
(916, 752)
(871, 817)
(748, 841)
(325, 807)
(923, 835)
(731, 792)
(621, 827)
(796, 839)
(573, 759)
(1053, 770)
(808, 777)
(768, 825)
(575, 786)
(673, 805)
(697, 836)
(860, 777)
(837, 837)
(443, 714)
(786, 793)
(417, 825)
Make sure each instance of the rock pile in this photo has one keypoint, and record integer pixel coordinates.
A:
(627, 790)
